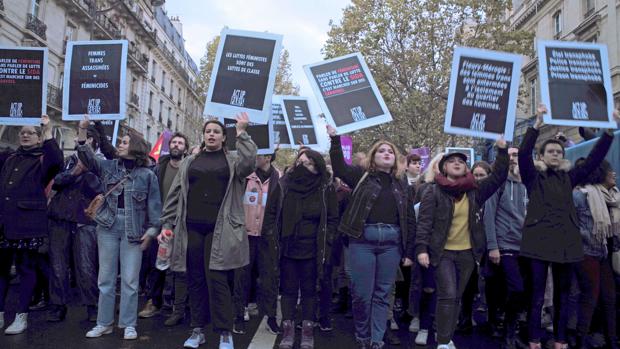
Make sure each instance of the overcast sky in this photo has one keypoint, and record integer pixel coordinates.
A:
(304, 24)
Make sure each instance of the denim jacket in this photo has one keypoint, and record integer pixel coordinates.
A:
(141, 195)
(591, 247)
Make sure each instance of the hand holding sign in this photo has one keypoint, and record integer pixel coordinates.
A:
(501, 142)
(616, 115)
(540, 112)
(242, 122)
(331, 131)
(46, 130)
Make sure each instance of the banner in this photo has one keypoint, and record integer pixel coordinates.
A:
(162, 146)
(262, 135)
(347, 93)
(111, 130)
(346, 143)
(244, 75)
(575, 84)
(23, 85)
(94, 83)
(484, 88)
(425, 157)
(300, 121)
(467, 151)
(281, 134)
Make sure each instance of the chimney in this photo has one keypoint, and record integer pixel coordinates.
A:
(176, 22)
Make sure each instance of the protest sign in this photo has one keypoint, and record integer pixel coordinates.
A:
(244, 74)
(281, 134)
(346, 143)
(575, 84)
(300, 121)
(469, 152)
(483, 93)
(111, 130)
(262, 135)
(424, 153)
(94, 82)
(23, 85)
(347, 93)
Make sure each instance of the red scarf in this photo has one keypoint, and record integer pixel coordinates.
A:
(458, 187)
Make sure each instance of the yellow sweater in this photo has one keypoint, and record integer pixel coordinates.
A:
(458, 236)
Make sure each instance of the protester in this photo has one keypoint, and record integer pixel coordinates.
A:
(449, 212)
(414, 165)
(305, 221)
(422, 290)
(377, 233)
(24, 176)
(72, 233)
(166, 169)
(204, 209)
(597, 203)
(504, 214)
(260, 191)
(550, 234)
(132, 204)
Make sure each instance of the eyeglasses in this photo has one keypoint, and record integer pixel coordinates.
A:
(27, 133)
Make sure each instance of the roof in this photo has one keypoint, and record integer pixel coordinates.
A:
(174, 36)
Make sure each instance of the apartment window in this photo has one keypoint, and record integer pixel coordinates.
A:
(163, 78)
(154, 71)
(171, 86)
(589, 7)
(169, 113)
(70, 33)
(557, 24)
(148, 133)
(161, 109)
(533, 97)
(36, 8)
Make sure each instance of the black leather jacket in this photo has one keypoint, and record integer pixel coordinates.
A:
(362, 201)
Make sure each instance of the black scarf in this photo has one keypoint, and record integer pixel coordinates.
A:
(301, 184)
(34, 151)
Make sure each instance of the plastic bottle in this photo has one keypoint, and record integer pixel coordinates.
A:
(164, 251)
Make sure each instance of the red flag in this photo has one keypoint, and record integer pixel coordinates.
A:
(155, 152)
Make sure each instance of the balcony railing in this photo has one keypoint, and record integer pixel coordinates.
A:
(54, 96)
(106, 24)
(36, 26)
(140, 58)
(1, 5)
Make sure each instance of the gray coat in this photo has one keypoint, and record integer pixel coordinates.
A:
(230, 248)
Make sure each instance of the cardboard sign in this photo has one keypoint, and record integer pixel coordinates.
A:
(425, 157)
(346, 143)
(244, 75)
(281, 134)
(23, 85)
(575, 84)
(300, 121)
(347, 93)
(484, 88)
(111, 130)
(467, 151)
(95, 73)
(262, 135)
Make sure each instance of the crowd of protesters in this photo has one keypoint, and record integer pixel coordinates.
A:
(528, 240)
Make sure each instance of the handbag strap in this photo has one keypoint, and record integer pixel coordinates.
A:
(116, 186)
(359, 183)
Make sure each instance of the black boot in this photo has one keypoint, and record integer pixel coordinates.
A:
(511, 334)
(612, 343)
(343, 300)
(390, 337)
(56, 313)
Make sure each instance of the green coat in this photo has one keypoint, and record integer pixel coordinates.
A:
(230, 248)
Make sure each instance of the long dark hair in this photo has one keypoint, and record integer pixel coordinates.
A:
(138, 149)
(598, 175)
(319, 163)
(217, 122)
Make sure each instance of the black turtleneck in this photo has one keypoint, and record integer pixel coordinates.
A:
(264, 175)
(208, 180)
(385, 209)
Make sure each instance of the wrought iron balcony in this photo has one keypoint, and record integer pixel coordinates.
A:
(54, 96)
(36, 26)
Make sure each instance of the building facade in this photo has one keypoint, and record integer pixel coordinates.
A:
(569, 20)
(161, 76)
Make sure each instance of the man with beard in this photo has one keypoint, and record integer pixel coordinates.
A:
(72, 232)
(166, 169)
(504, 215)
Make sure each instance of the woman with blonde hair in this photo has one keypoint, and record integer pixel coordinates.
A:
(378, 221)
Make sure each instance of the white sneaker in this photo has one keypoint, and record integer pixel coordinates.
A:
(19, 325)
(253, 309)
(246, 314)
(447, 346)
(196, 339)
(226, 341)
(1, 319)
(130, 333)
(414, 326)
(393, 325)
(422, 337)
(99, 330)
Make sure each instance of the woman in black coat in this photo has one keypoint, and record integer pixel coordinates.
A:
(24, 176)
(550, 234)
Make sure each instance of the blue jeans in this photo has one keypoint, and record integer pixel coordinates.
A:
(113, 244)
(373, 260)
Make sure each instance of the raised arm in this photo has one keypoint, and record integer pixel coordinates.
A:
(488, 186)
(526, 161)
(106, 148)
(246, 149)
(52, 155)
(349, 174)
